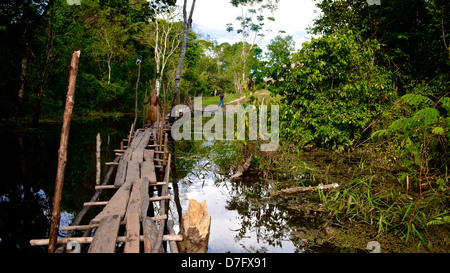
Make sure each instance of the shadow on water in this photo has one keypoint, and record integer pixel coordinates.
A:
(29, 172)
(243, 218)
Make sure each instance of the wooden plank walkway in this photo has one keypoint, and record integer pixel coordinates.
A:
(133, 203)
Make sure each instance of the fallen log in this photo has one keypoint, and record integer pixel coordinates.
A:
(295, 190)
(242, 168)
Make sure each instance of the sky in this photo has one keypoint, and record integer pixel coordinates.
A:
(293, 16)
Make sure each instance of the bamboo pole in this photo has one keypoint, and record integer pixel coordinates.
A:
(62, 152)
(136, 95)
(88, 240)
(166, 150)
(162, 208)
(99, 143)
(172, 244)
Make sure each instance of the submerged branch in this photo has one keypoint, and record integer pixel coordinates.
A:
(242, 168)
(295, 190)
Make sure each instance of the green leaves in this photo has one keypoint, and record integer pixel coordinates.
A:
(446, 103)
(335, 85)
(413, 99)
(420, 119)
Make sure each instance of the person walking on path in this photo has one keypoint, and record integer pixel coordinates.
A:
(153, 111)
(221, 100)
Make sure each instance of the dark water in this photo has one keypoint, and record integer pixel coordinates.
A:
(28, 172)
(243, 219)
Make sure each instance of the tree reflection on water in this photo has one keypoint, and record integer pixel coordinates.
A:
(243, 217)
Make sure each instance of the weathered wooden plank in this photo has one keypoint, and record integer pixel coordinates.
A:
(138, 155)
(121, 173)
(148, 170)
(127, 155)
(140, 186)
(149, 155)
(105, 236)
(136, 140)
(145, 139)
(133, 171)
(145, 198)
(133, 229)
(134, 212)
(117, 205)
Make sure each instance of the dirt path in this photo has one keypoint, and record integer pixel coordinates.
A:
(236, 100)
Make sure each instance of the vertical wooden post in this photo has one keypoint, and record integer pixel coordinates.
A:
(144, 116)
(136, 95)
(99, 143)
(160, 134)
(62, 152)
(166, 149)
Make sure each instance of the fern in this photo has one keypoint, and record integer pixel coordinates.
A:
(414, 100)
(401, 124)
(379, 133)
(446, 103)
(421, 118)
(426, 117)
(439, 221)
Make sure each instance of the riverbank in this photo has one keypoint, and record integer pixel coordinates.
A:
(372, 202)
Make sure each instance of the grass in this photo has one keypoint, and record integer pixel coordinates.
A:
(215, 100)
(370, 198)
(258, 95)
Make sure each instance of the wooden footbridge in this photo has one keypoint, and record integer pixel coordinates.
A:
(135, 219)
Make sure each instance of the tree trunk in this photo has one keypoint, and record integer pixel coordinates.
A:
(136, 97)
(195, 228)
(23, 71)
(109, 69)
(37, 111)
(187, 27)
(28, 34)
(62, 153)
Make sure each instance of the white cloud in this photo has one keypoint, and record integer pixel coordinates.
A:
(293, 16)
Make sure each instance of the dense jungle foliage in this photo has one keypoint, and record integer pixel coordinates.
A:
(373, 79)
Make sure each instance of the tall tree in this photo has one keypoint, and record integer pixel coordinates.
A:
(37, 111)
(411, 33)
(251, 26)
(187, 19)
(24, 16)
(163, 34)
(111, 28)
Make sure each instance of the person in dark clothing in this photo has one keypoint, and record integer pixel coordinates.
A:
(221, 100)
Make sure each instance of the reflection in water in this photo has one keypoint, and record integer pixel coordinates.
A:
(28, 176)
(242, 219)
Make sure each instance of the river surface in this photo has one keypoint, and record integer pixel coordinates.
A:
(243, 219)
